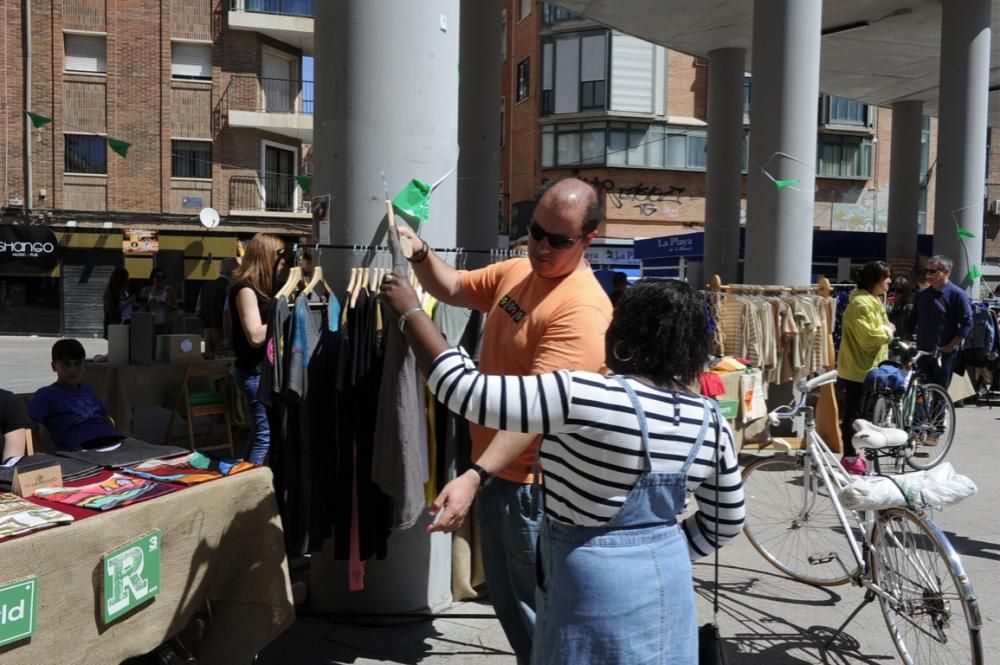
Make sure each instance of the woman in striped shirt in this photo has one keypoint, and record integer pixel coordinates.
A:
(620, 455)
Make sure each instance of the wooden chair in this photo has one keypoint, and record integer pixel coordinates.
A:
(196, 403)
(29, 442)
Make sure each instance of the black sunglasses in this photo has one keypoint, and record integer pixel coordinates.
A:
(556, 241)
(932, 271)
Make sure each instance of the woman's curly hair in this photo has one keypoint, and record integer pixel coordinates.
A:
(660, 331)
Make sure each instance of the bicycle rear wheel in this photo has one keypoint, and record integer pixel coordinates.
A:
(931, 613)
(792, 523)
(932, 426)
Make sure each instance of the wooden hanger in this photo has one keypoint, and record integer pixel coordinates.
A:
(316, 280)
(294, 277)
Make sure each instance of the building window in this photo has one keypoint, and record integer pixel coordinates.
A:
(925, 159)
(523, 79)
(574, 72)
(85, 153)
(523, 9)
(842, 111)
(746, 95)
(503, 35)
(840, 156)
(626, 144)
(191, 61)
(552, 14)
(85, 53)
(191, 159)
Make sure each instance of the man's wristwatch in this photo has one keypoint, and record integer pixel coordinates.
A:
(484, 476)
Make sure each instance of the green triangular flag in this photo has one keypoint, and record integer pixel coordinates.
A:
(962, 233)
(781, 184)
(119, 146)
(38, 120)
(305, 182)
(974, 273)
(414, 202)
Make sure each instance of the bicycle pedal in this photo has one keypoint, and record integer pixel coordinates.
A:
(921, 455)
(820, 559)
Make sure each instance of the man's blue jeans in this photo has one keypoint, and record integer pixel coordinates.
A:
(260, 437)
(510, 517)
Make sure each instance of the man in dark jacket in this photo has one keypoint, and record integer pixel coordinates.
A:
(944, 319)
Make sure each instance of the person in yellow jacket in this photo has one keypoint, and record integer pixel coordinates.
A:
(864, 344)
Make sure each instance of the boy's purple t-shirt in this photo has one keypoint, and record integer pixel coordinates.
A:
(72, 415)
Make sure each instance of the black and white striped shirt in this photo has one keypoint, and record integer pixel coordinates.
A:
(592, 447)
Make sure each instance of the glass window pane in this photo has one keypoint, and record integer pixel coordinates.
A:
(567, 75)
(547, 55)
(655, 148)
(617, 146)
(850, 157)
(593, 55)
(568, 149)
(592, 146)
(548, 147)
(829, 156)
(696, 154)
(85, 154)
(637, 146)
(676, 150)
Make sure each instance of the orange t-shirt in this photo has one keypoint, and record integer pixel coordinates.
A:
(533, 326)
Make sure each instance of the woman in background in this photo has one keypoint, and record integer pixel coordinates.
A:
(119, 301)
(250, 302)
(901, 313)
(160, 300)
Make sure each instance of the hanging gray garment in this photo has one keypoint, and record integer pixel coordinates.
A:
(398, 463)
(451, 321)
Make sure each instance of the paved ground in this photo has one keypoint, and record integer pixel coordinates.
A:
(765, 618)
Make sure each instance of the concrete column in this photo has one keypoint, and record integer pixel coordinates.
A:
(386, 100)
(723, 179)
(479, 128)
(961, 157)
(904, 180)
(786, 46)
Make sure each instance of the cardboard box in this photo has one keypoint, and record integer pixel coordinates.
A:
(178, 348)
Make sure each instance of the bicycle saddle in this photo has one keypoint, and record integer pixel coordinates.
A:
(869, 435)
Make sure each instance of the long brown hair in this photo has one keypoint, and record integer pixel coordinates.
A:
(259, 262)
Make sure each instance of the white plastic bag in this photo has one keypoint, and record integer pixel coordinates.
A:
(935, 488)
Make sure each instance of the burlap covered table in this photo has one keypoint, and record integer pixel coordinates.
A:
(221, 540)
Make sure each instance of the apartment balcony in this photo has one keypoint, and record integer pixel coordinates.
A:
(267, 195)
(288, 21)
(276, 105)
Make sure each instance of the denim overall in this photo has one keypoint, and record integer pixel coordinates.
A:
(621, 592)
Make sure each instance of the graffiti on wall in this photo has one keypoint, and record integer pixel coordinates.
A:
(853, 209)
(639, 201)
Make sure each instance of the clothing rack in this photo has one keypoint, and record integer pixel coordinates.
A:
(823, 287)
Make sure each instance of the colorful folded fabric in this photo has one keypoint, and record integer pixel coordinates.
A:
(711, 385)
(188, 470)
(115, 492)
(728, 364)
(19, 516)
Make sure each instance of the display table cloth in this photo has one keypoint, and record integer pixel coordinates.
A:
(221, 540)
(122, 389)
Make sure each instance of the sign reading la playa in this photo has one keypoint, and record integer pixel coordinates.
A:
(676, 243)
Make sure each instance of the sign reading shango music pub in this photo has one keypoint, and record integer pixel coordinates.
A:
(28, 248)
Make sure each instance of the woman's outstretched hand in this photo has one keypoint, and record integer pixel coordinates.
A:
(452, 504)
(398, 294)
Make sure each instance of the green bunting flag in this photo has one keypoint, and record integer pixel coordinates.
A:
(119, 146)
(781, 184)
(38, 120)
(305, 182)
(974, 273)
(414, 201)
(962, 233)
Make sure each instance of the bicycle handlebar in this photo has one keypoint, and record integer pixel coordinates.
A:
(806, 386)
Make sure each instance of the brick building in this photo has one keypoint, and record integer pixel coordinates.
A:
(209, 95)
(630, 116)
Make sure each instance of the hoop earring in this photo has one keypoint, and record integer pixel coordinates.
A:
(618, 356)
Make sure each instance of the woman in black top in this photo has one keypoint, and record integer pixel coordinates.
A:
(250, 303)
(901, 312)
(119, 301)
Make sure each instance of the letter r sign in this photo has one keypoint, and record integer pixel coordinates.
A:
(131, 575)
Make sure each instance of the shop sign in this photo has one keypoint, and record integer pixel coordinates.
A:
(610, 255)
(685, 244)
(729, 408)
(131, 576)
(28, 247)
(18, 607)
(140, 241)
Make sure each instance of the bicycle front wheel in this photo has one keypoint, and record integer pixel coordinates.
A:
(792, 523)
(886, 413)
(932, 427)
(929, 606)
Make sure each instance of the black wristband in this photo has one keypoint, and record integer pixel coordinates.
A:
(419, 256)
(484, 476)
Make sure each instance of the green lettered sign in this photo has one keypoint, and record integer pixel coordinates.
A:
(131, 575)
(18, 607)
(729, 408)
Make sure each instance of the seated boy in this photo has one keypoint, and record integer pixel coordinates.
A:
(69, 409)
(13, 425)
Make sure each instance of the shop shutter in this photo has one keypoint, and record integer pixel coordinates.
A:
(632, 69)
(83, 299)
(85, 53)
(191, 61)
